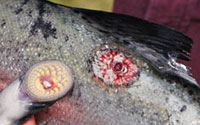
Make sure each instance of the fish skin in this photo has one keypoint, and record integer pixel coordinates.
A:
(33, 31)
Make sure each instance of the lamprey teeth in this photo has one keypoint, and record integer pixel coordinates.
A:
(48, 81)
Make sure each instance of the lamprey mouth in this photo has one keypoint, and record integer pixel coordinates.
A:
(40, 87)
(47, 81)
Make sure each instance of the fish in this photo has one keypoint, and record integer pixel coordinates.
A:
(84, 67)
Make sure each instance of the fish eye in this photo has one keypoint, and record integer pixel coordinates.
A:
(113, 68)
(47, 81)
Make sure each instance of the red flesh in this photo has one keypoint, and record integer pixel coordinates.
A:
(48, 79)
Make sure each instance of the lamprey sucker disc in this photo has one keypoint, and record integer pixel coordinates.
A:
(48, 81)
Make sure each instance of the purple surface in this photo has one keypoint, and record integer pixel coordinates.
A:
(183, 15)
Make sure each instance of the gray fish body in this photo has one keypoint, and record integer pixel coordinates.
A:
(33, 31)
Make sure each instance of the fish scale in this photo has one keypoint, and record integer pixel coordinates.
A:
(41, 31)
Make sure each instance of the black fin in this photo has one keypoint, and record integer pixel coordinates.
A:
(160, 46)
(160, 38)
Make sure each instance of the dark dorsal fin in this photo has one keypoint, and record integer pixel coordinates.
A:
(160, 38)
(160, 46)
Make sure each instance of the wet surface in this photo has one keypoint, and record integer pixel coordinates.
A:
(150, 100)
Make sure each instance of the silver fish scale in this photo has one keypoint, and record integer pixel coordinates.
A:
(72, 40)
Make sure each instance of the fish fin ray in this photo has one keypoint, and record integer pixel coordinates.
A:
(158, 37)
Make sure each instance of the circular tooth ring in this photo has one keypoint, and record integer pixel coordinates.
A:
(47, 81)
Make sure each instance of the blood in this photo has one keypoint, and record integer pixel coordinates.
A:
(118, 67)
(47, 79)
(2, 85)
(115, 67)
(70, 110)
(6, 78)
